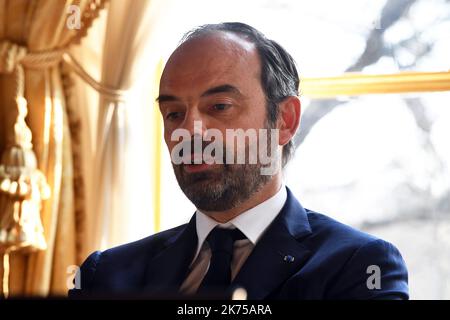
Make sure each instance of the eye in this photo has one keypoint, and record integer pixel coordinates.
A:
(221, 106)
(173, 115)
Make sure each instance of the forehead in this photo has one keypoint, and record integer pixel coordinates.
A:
(209, 60)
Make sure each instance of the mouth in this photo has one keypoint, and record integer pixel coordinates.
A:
(193, 168)
(202, 165)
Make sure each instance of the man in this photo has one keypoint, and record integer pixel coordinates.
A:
(249, 230)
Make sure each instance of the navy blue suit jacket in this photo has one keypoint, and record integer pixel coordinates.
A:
(330, 261)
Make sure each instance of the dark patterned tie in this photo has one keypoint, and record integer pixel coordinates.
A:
(221, 242)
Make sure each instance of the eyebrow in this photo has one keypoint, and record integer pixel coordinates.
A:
(226, 88)
(166, 98)
(221, 89)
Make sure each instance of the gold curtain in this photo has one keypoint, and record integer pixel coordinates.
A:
(41, 26)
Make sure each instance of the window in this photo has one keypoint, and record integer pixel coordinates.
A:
(378, 162)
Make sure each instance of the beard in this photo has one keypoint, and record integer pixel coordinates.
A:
(222, 187)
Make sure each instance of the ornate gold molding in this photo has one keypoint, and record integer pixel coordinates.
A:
(352, 84)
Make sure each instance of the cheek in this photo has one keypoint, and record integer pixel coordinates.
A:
(255, 118)
(256, 114)
(170, 144)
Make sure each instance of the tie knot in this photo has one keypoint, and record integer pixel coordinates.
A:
(220, 239)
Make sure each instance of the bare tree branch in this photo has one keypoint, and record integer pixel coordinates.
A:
(374, 50)
(393, 11)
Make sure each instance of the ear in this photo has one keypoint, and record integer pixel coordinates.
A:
(289, 119)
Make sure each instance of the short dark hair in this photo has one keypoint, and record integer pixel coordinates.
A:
(279, 76)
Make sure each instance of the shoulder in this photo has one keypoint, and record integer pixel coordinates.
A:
(102, 266)
(146, 247)
(354, 256)
(329, 229)
(341, 244)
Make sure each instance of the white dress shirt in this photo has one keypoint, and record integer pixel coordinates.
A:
(252, 223)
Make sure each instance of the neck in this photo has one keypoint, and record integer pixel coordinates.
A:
(266, 192)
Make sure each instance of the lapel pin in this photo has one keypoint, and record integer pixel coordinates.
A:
(288, 259)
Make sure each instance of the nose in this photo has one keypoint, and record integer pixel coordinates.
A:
(194, 123)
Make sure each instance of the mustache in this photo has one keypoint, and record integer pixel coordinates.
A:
(197, 146)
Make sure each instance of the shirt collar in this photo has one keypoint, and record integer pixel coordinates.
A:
(252, 222)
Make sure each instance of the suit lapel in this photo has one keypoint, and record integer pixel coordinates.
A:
(278, 254)
(167, 270)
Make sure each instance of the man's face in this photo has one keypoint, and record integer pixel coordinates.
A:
(215, 79)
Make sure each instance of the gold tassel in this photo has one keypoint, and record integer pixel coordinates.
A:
(22, 188)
